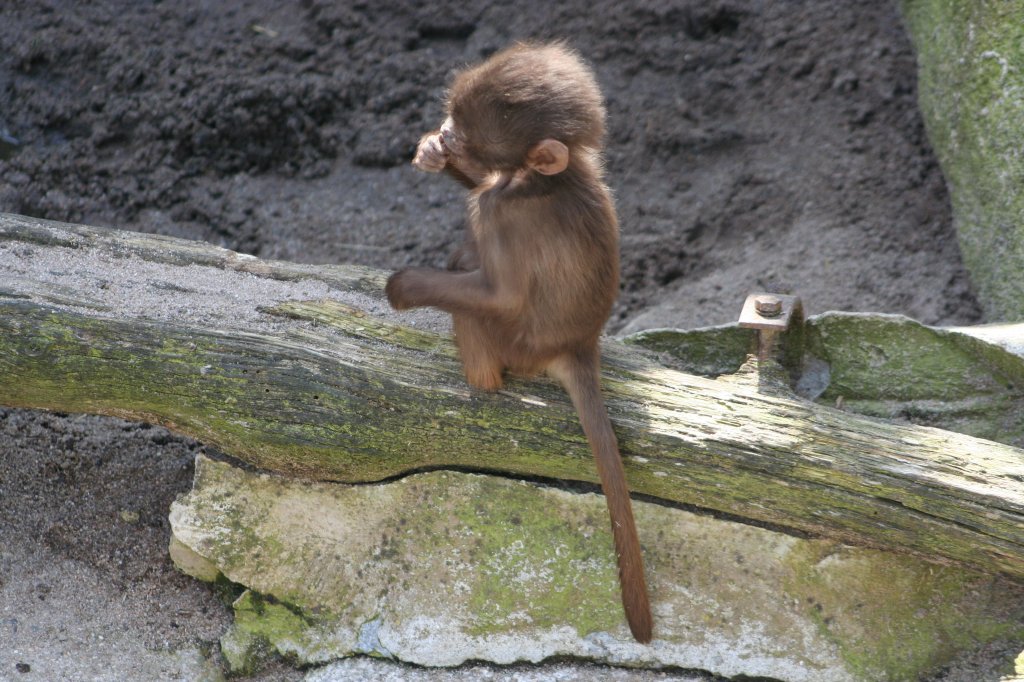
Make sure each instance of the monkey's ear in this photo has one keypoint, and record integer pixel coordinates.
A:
(548, 157)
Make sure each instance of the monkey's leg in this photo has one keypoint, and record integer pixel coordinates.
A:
(457, 293)
(480, 358)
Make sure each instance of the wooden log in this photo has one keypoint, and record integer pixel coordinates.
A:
(283, 366)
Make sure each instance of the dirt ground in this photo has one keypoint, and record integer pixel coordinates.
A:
(752, 146)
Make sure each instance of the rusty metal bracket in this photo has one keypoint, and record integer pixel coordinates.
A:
(770, 311)
(777, 318)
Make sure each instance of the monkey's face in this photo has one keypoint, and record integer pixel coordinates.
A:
(488, 137)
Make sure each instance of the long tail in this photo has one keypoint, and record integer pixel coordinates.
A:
(580, 376)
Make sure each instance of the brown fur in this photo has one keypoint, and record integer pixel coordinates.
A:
(540, 271)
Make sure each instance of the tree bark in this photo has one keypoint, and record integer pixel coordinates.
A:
(285, 367)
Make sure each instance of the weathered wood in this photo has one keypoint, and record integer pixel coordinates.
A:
(233, 351)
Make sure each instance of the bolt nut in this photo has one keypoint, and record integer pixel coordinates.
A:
(768, 306)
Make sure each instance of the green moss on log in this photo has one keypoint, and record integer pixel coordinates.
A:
(319, 389)
(322, 405)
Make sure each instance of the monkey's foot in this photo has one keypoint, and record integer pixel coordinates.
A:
(486, 378)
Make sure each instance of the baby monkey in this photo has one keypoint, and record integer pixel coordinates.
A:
(534, 283)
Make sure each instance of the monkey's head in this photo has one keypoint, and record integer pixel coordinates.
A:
(528, 105)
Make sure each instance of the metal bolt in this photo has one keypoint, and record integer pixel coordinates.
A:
(768, 306)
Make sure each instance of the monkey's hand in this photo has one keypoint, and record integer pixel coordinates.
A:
(405, 288)
(431, 155)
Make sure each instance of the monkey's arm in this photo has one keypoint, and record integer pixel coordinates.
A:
(454, 292)
(463, 178)
(466, 258)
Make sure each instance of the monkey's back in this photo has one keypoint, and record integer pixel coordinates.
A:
(558, 240)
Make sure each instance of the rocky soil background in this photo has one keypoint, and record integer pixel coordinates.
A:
(751, 146)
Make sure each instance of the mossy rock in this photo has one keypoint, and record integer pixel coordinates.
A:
(969, 379)
(971, 91)
(441, 568)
